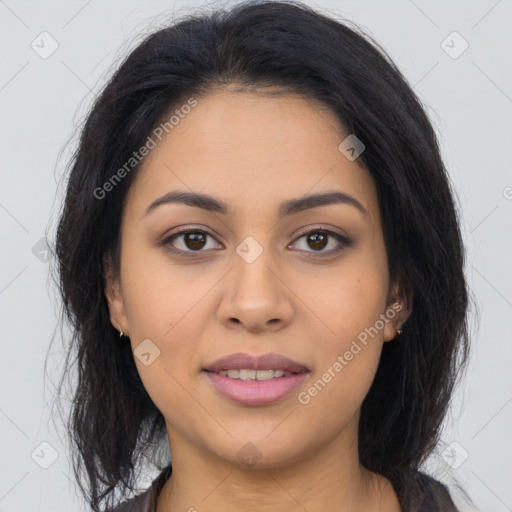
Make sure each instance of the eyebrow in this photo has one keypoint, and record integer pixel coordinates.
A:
(289, 207)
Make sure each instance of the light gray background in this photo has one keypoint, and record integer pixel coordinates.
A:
(42, 101)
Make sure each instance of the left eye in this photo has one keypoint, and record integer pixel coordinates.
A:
(318, 239)
(194, 240)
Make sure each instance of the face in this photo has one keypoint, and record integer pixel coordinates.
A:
(305, 283)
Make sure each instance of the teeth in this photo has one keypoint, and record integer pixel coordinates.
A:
(246, 374)
(265, 374)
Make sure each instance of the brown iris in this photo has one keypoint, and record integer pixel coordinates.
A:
(195, 239)
(318, 239)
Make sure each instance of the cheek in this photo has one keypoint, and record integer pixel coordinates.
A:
(350, 298)
(350, 308)
(157, 296)
(166, 318)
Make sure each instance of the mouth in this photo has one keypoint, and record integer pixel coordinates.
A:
(252, 380)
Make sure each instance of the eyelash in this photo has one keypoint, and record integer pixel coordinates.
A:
(343, 240)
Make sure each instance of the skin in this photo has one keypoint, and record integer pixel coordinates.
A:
(253, 151)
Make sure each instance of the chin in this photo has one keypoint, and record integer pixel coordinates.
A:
(251, 452)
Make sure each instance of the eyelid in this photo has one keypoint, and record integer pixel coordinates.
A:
(313, 228)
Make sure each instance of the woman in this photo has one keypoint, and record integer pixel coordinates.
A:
(260, 257)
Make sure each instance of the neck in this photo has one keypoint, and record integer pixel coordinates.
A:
(324, 480)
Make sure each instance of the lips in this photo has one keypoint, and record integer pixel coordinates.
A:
(241, 361)
(255, 380)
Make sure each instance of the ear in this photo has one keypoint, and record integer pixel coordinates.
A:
(398, 309)
(115, 300)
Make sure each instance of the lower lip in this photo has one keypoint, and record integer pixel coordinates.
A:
(255, 392)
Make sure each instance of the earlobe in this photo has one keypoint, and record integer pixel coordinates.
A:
(399, 309)
(394, 320)
(115, 303)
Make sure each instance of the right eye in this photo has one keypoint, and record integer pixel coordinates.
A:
(193, 240)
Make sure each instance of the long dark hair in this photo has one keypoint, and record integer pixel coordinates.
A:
(113, 422)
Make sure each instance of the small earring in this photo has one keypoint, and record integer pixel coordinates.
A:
(399, 331)
(121, 334)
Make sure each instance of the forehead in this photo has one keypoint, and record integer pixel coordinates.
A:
(252, 149)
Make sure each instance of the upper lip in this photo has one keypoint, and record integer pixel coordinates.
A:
(240, 361)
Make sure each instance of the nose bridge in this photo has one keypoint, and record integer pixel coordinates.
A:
(255, 295)
(252, 273)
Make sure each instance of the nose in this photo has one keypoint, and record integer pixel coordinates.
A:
(256, 297)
